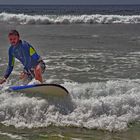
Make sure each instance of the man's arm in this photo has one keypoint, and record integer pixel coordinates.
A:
(9, 68)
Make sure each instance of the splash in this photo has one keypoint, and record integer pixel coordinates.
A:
(110, 105)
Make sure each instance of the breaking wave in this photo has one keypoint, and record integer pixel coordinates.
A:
(110, 105)
(68, 19)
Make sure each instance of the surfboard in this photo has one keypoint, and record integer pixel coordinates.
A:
(41, 89)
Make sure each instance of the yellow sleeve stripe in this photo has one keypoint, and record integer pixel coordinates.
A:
(32, 51)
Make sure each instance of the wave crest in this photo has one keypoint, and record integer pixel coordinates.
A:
(68, 19)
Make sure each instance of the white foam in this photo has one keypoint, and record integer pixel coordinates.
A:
(51, 80)
(110, 105)
(34, 81)
(68, 19)
(11, 135)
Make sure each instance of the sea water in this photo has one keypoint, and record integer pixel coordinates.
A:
(93, 51)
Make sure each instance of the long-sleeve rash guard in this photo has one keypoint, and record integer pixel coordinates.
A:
(25, 53)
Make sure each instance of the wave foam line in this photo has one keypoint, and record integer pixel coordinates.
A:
(11, 135)
(68, 19)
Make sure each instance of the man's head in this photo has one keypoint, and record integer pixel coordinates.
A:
(14, 37)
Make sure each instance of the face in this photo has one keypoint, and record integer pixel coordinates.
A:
(13, 39)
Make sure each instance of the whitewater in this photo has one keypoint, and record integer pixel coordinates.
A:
(110, 105)
(68, 19)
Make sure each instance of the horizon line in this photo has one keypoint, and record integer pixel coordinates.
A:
(71, 4)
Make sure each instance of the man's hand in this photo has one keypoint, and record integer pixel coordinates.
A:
(2, 80)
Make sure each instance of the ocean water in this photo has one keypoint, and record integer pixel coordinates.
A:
(64, 14)
(93, 51)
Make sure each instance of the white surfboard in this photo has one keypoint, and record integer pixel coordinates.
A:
(41, 90)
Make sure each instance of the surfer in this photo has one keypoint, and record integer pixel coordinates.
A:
(33, 64)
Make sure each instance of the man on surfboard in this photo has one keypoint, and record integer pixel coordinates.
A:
(26, 54)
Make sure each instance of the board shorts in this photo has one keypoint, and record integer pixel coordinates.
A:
(30, 73)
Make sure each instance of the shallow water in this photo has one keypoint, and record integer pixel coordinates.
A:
(67, 133)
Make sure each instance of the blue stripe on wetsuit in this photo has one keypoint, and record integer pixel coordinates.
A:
(25, 53)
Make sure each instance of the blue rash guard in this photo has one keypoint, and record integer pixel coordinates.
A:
(26, 54)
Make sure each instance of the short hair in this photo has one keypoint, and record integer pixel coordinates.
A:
(14, 32)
